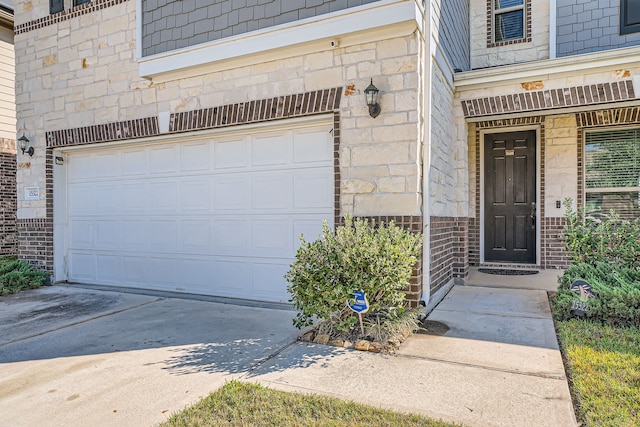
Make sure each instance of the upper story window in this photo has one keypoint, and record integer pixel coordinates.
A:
(509, 21)
(56, 6)
(629, 16)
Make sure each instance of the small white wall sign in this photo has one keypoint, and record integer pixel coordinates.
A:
(32, 193)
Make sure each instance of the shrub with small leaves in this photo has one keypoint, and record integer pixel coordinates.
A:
(378, 260)
(16, 275)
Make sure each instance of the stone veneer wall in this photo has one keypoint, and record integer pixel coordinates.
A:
(8, 199)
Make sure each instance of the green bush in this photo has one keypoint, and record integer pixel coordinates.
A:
(613, 240)
(617, 290)
(358, 255)
(16, 275)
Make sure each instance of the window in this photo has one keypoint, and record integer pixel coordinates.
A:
(56, 6)
(508, 20)
(79, 2)
(629, 16)
(612, 173)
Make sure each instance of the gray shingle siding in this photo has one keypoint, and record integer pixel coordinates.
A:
(585, 26)
(170, 24)
(451, 18)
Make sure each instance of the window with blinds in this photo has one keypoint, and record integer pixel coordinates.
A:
(508, 20)
(612, 173)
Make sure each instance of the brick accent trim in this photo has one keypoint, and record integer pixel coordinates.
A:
(8, 204)
(129, 129)
(276, 108)
(448, 250)
(614, 116)
(36, 242)
(549, 99)
(65, 15)
(415, 224)
(553, 249)
(527, 26)
(281, 107)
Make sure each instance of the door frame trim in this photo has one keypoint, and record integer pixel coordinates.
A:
(492, 131)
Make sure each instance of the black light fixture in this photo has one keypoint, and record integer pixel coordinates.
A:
(371, 92)
(23, 143)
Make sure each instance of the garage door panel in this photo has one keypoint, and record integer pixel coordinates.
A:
(107, 268)
(106, 165)
(271, 191)
(134, 198)
(82, 200)
(82, 265)
(271, 238)
(312, 190)
(268, 282)
(231, 235)
(195, 273)
(230, 276)
(134, 162)
(194, 195)
(231, 193)
(106, 197)
(195, 157)
(162, 271)
(133, 234)
(231, 154)
(270, 150)
(107, 233)
(81, 168)
(80, 234)
(163, 196)
(219, 216)
(162, 235)
(194, 236)
(134, 269)
(162, 159)
(311, 147)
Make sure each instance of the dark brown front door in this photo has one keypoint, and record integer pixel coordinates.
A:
(510, 197)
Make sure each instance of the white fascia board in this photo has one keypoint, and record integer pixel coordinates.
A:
(374, 21)
(614, 59)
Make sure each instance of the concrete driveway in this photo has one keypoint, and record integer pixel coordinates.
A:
(73, 356)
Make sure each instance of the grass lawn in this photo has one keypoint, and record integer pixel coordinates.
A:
(604, 369)
(242, 404)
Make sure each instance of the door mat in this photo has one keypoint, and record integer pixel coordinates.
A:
(507, 271)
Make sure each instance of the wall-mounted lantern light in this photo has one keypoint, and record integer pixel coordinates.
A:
(371, 92)
(23, 144)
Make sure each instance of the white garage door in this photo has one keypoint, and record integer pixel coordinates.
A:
(220, 215)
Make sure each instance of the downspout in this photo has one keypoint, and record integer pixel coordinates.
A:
(553, 29)
(427, 61)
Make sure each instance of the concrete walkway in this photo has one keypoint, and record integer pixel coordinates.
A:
(73, 357)
(497, 365)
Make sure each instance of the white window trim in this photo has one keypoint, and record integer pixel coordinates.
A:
(500, 11)
(368, 23)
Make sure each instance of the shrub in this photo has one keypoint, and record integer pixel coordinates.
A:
(358, 255)
(16, 275)
(613, 240)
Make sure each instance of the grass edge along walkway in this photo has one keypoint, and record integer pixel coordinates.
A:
(246, 404)
(603, 367)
